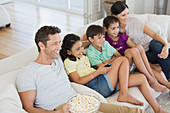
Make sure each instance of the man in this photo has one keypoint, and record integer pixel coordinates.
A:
(44, 83)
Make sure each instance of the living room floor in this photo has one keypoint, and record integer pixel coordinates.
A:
(26, 19)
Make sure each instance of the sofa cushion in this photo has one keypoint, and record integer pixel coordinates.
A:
(163, 21)
(10, 101)
(154, 27)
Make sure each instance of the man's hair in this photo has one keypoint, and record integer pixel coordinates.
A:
(94, 30)
(118, 7)
(109, 20)
(42, 35)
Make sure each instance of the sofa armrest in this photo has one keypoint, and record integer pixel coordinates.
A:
(82, 88)
(18, 60)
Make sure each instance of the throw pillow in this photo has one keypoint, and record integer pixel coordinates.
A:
(10, 101)
(163, 21)
(154, 26)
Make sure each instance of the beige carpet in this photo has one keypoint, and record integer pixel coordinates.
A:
(164, 102)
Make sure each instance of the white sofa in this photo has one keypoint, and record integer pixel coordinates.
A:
(10, 67)
(5, 19)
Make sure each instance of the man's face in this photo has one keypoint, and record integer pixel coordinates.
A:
(53, 46)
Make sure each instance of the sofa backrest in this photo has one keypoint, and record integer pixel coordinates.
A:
(16, 61)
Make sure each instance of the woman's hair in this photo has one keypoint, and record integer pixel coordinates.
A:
(109, 20)
(68, 43)
(118, 7)
(94, 30)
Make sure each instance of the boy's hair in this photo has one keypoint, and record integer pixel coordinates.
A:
(94, 30)
(42, 35)
(68, 42)
(118, 7)
(109, 20)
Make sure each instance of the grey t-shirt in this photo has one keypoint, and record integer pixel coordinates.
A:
(50, 82)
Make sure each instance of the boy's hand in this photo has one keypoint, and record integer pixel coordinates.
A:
(102, 69)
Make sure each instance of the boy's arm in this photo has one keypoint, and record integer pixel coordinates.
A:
(116, 55)
(130, 43)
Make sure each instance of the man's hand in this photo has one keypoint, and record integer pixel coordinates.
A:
(164, 53)
(65, 108)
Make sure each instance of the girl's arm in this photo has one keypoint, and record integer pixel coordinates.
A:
(74, 76)
(164, 53)
(130, 43)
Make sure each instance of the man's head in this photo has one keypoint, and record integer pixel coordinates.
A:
(48, 41)
(95, 34)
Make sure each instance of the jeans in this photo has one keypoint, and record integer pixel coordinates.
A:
(102, 85)
(155, 48)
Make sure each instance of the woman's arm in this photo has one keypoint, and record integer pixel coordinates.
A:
(164, 53)
(74, 76)
(130, 43)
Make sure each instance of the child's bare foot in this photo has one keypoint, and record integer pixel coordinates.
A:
(129, 99)
(158, 87)
(156, 67)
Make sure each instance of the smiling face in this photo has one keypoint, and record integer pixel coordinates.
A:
(113, 30)
(76, 50)
(98, 41)
(53, 47)
(123, 16)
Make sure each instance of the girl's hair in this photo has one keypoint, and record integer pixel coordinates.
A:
(94, 30)
(118, 7)
(109, 20)
(68, 42)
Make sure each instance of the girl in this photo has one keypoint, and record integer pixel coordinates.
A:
(156, 49)
(126, 47)
(104, 79)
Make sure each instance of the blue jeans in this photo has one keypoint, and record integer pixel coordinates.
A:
(102, 85)
(155, 48)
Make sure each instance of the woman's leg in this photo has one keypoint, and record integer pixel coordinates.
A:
(143, 66)
(120, 71)
(160, 78)
(155, 48)
(140, 81)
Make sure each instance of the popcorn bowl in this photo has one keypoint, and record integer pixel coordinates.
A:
(84, 102)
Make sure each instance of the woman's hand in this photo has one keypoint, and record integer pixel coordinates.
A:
(164, 53)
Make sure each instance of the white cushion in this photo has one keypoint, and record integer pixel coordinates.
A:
(142, 17)
(10, 101)
(154, 27)
(8, 78)
(135, 92)
(81, 88)
(169, 32)
(163, 21)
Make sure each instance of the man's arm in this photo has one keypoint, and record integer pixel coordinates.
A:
(28, 98)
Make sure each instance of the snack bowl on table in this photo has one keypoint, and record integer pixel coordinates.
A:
(84, 102)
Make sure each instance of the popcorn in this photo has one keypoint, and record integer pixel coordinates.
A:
(84, 103)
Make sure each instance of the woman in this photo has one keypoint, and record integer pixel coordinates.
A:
(156, 49)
